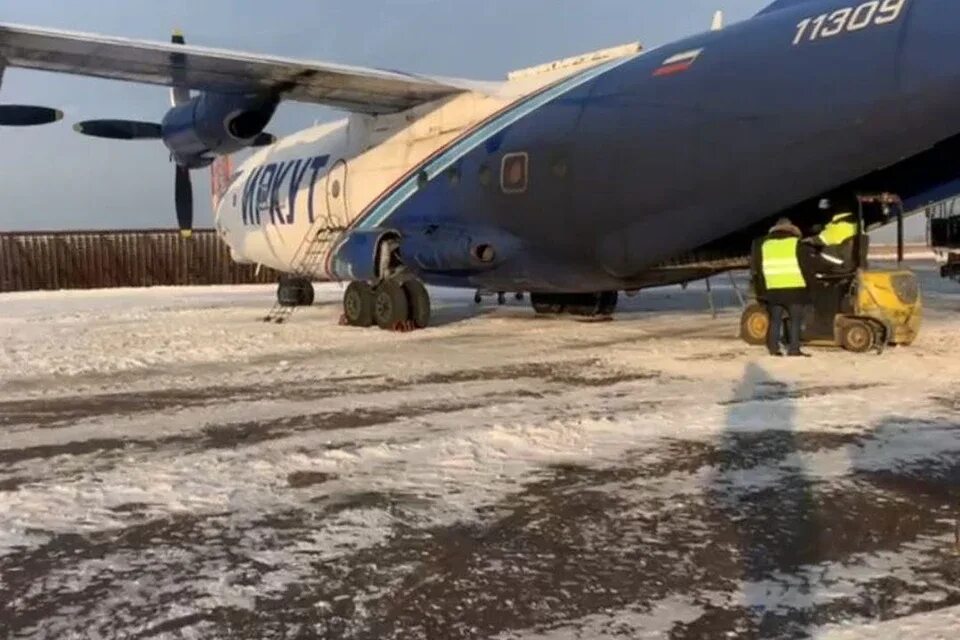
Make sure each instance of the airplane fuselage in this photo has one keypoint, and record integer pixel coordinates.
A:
(590, 178)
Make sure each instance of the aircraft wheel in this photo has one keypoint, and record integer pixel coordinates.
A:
(545, 309)
(358, 305)
(390, 307)
(307, 294)
(754, 323)
(608, 302)
(581, 311)
(857, 336)
(545, 304)
(295, 292)
(418, 301)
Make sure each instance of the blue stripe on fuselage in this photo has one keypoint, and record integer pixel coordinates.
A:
(436, 165)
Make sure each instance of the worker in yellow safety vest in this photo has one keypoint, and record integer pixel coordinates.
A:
(837, 241)
(781, 263)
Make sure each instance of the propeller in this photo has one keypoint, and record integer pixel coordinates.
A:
(137, 130)
(182, 184)
(119, 129)
(21, 115)
(183, 196)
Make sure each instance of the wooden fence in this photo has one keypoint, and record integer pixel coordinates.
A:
(96, 259)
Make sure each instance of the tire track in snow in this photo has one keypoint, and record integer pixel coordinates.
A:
(576, 542)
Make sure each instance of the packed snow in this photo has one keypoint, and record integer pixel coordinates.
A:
(172, 466)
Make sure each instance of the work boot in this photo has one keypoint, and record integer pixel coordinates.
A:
(775, 354)
(798, 354)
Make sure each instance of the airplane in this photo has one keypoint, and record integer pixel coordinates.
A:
(613, 171)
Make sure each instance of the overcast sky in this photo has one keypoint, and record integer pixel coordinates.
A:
(52, 178)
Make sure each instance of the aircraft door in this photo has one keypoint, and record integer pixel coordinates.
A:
(338, 210)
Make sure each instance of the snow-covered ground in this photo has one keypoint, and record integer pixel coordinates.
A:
(172, 467)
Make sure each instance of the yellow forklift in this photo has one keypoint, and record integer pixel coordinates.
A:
(862, 311)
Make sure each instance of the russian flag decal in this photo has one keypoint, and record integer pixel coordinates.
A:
(678, 63)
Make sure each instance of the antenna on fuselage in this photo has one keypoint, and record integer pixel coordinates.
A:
(717, 24)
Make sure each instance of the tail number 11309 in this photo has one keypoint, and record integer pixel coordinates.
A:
(874, 13)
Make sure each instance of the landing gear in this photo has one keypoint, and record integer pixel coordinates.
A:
(545, 304)
(608, 302)
(390, 306)
(393, 305)
(395, 301)
(358, 305)
(418, 303)
(295, 292)
(587, 305)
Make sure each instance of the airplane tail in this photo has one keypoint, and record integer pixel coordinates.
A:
(220, 172)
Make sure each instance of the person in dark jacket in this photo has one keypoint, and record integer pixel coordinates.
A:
(782, 273)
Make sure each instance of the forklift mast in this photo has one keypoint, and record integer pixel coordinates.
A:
(876, 210)
(943, 236)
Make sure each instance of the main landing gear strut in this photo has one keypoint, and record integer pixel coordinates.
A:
(401, 304)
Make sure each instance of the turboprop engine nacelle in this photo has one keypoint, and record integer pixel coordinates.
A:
(216, 124)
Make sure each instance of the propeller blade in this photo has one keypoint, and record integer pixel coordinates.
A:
(119, 129)
(264, 140)
(21, 115)
(183, 191)
(178, 93)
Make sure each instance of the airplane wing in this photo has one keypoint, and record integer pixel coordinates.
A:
(352, 88)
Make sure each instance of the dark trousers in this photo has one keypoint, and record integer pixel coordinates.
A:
(776, 325)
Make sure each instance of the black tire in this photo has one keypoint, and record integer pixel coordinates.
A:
(584, 305)
(545, 309)
(544, 304)
(857, 336)
(390, 308)
(608, 302)
(358, 305)
(288, 293)
(754, 323)
(418, 301)
(295, 292)
(307, 294)
(581, 311)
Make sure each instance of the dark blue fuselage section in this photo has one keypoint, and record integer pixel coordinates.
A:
(632, 168)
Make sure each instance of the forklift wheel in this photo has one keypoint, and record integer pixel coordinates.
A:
(857, 336)
(753, 324)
